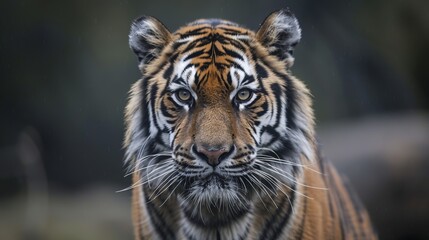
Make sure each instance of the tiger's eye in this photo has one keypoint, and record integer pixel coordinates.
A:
(184, 95)
(244, 95)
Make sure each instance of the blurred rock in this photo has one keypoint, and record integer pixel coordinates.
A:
(386, 159)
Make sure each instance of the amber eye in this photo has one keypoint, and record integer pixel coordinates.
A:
(183, 95)
(243, 95)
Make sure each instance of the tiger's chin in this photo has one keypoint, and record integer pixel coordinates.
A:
(214, 201)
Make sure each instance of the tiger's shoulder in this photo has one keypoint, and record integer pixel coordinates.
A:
(344, 214)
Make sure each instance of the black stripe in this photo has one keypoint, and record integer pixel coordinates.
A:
(238, 44)
(153, 93)
(271, 230)
(145, 121)
(247, 79)
(264, 107)
(291, 96)
(301, 229)
(290, 103)
(173, 58)
(177, 45)
(233, 54)
(157, 221)
(168, 72)
(288, 149)
(217, 51)
(194, 54)
(194, 32)
(278, 93)
(201, 80)
(260, 70)
(285, 218)
(164, 110)
(251, 135)
(190, 46)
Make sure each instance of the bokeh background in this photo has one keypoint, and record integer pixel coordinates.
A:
(66, 68)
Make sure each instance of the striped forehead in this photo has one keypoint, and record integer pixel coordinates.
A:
(217, 50)
(190, 74)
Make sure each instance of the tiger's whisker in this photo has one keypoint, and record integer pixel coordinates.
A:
(257, 193)
(172, 191)
(264, 189)
(167, 170)
(169, 161)
(286, 162)
(266, 175)
(287, 175)
(286, 185)
(162, 188)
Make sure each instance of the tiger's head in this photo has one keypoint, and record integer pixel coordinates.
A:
(217, 118)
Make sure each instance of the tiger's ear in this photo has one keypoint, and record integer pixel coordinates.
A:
(148, 36)
(280, 33)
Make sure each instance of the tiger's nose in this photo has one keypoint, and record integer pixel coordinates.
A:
(213, 155)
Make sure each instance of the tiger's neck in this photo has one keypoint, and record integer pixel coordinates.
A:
(268, 217)
(168, 217)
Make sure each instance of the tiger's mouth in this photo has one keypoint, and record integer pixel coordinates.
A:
(214, 178)
(208, 180)
(216, 185)
(212, 184)
(216, 174)
(215, 188)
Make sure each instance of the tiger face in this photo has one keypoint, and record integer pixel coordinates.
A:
(217, 114)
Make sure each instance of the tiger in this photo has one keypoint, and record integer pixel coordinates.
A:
(220, 138)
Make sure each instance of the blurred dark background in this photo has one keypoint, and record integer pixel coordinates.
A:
(66, 68)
